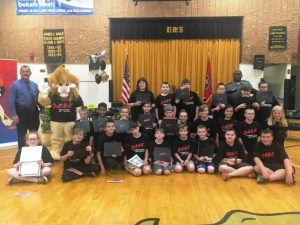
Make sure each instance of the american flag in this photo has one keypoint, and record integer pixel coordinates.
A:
(126, 84)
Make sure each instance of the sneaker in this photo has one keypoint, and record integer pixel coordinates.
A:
(12, 181)
(294, 179)
(252, 175)
(42, 180)
(260, 179)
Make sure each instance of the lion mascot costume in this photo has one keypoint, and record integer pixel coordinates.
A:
(61, 94)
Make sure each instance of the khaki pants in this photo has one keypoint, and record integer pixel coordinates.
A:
(61, 133)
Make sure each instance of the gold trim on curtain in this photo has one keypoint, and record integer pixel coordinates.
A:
(172, 61)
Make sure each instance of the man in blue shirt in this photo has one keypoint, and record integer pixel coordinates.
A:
(23, 104)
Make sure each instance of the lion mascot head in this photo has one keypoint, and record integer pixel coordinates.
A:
(63, 83)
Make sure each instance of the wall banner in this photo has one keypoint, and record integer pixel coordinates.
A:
(35, 7)
(8, 74)
(54, 46)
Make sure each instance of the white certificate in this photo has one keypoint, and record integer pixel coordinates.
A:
(30, 154)
(30, 169)
(136, 161)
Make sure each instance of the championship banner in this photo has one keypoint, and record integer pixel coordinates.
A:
(8, 74)
(54, 46)
(65, 7)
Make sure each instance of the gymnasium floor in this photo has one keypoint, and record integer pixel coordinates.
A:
(181, 199)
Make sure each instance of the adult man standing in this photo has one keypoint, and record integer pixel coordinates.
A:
(23, 104)
(235, 85)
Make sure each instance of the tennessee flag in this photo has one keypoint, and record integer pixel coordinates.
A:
(208, 87)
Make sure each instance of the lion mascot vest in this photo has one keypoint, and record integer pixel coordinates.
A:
(61, 94)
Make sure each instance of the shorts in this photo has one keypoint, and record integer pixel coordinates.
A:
(178, 163)
(156, 167)
(204, 165)
(237, 166)
(274, 166)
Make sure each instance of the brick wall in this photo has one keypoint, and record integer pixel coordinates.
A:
(22, 35)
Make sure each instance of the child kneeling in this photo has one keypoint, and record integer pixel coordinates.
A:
(206, 149)
(160, 166)
(183, 148)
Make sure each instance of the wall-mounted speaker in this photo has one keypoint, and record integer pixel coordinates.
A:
(289, 93)
(259, 62)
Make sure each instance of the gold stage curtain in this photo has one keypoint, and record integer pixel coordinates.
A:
(172, 61)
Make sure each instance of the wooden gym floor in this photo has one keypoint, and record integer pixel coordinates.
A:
(181, 199)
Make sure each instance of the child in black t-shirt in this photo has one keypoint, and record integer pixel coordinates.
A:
(218, 109)
(123, 115)
(160, 167)
(136, 144)
(164, 99)
(266, 106)
(228, 122)
(147, 124)
(183, 149)
(242, 101)
(248, 133)
(183, 120)
(77, 157)
(104, 115)
(271, 161)
(169, 114)
(112, 162)
(278, 124)
(46, 162)
(205, 151)
(231, 157)
(191, 104)
(204, 120)
(88, 136)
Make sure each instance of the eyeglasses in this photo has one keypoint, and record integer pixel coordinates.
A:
(32, 139)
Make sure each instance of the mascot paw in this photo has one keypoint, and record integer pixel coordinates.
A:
(43, 89)
(55, 155)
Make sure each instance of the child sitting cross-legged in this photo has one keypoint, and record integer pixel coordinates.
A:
(136, 144)
(77, 157)
(46, 162)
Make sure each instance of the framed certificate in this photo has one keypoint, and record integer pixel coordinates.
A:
(97, 124)
(147, 120)
(31, 154)
(143, 97)
(30, 169)
(112, 148)
(85, 125)
(182, 93)
(219, 99)
(169, 125)
(267, 97)
(162, 154)
(122, 126)
(136, 161)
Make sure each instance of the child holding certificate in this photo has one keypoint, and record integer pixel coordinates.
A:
(109, 149)
(77, 157)
(160, 153)
(183, 149)
(45, 162)
(136, 152)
